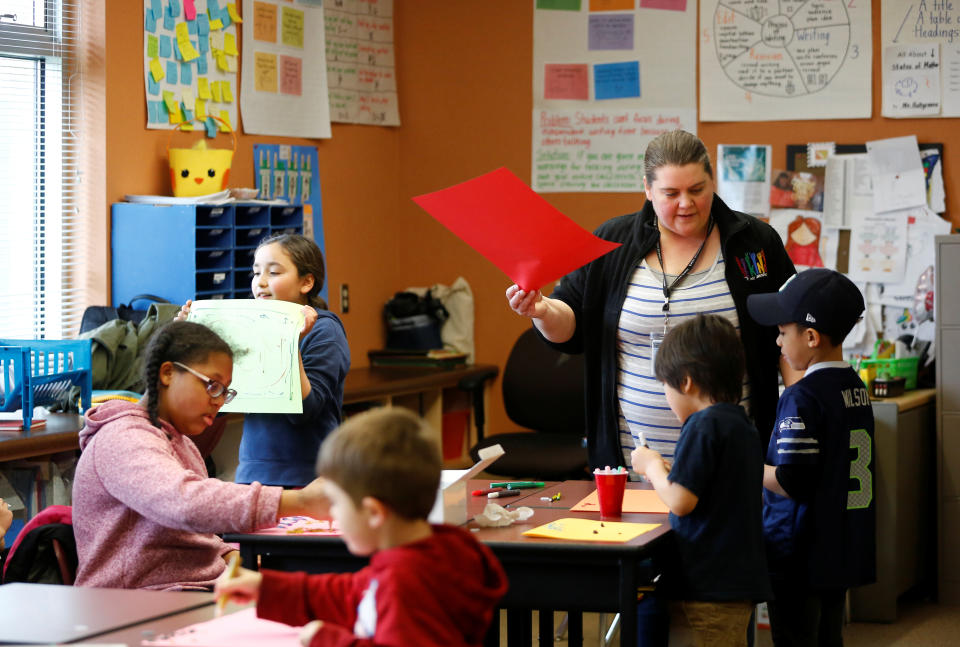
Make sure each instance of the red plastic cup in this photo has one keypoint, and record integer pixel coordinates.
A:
(610, 488)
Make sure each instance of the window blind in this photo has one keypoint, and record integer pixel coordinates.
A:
(40, 223)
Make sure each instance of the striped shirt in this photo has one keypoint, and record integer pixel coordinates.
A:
(644, 415)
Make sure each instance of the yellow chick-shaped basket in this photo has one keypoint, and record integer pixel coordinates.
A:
(199, 170)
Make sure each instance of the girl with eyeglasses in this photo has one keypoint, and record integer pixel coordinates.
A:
(145, 512)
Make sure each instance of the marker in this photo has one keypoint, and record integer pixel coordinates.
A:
(487, 491)
(502, 493)
(232, 573)
(517, 485)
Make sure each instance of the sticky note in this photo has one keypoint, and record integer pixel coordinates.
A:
(222, 62)
(265, 22)
(149, 21)
(230, 44)
(203, 44)
(202, 63)
(216, 91)
(153, 87)
(189, 10)
(172, 71)
(225, 19)
(264, 72)
(216, 24)
(169, 23)
(152, 116)
(192, 27)
(162, 111)
(612, 5)
(225, 117)
(156, 70)
(203, 87)
(291, 27)
(170, 101)
(669, 5)
(559, 5)
(186, 127)
(187, 98)
(216, 40)
(616, 80)
(291, 75)
(211, 125)
(165, 48)
(213, 8)
(176, 50)
(186, 48)
(226, 92)
(566, 81)
(187, 115)
(203, 25)
(200, 108)
(232, 12)
(153, 46)
(186, 73)
(231, 63)
(174, 8)
(156, 6)
(610, 31)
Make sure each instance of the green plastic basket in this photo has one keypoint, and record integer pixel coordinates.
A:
(905, 367)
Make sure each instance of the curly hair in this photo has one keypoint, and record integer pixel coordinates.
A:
(177, 341)
(307, 258)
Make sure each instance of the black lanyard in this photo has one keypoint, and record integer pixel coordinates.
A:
(693, 261)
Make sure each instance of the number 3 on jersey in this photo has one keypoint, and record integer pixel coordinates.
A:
(860, 471)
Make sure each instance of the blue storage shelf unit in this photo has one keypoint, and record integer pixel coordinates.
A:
(201, 251)
(38, 373)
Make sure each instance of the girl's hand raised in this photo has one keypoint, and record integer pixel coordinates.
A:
(184, 311)
(527, 304)
(310, 317)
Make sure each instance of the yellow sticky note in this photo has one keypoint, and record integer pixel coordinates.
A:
(590, 530)
(203, 87)
(217, 94)
(226, 92)
(232, 10)
(291, 27)
(225, 116)
(156, 70)
(200, 109)
(171, 101)
(216, 41)
(230, 44)
(231, 62)
(187, 50)
(265, 72)
(188, 126)
(222, 62)
(187, 97)
(216, 24)
(175, 115)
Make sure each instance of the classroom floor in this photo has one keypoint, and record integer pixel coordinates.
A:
(921, 623)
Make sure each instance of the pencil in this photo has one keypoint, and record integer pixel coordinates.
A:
(231, 573)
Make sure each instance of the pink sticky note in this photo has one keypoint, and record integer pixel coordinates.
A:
(669, 5)
(240, 629)
(561, 81)
(189, 10)
(514, 228)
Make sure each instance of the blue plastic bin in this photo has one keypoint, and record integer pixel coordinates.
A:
(37, 373)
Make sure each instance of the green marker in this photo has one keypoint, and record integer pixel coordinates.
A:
(518, 485)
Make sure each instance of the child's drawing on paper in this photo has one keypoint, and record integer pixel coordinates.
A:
(803, 241)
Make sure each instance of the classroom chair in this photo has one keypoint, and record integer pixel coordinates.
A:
(45, 551)
(542, 391)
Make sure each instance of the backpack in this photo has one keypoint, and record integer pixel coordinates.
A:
(45, 551)
(96, 316)
(413, 322)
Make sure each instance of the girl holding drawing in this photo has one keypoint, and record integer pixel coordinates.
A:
(280, 449)
(144, 510)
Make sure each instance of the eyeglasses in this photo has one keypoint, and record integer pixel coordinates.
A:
(214, 389)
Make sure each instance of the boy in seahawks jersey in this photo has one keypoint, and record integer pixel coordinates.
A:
(819, 515)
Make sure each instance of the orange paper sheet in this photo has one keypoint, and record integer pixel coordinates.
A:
(590, 530)
(514, 228)
(633, 501)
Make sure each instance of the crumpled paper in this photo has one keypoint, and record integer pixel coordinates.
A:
(496, 516)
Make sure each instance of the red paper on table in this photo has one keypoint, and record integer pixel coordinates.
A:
(514, 228)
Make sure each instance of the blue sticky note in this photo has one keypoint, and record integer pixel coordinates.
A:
(203, 24)
(168, 22)
(172, 71)
(152, 86)
(187, 114)
(202, 64)
(610, 31)
(616, 80)
(176, 51)
(203, 45)
(192, 27)
(174, 8)
(156, 6)
(152, 116)
(162, 111)
(211, 127)
(164, 46)
(213, 7)
(186, 74)
(225, 18)
(149, 21)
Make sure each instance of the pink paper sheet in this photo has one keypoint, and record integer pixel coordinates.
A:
(300, 526)
(514, 228)
(240, 629)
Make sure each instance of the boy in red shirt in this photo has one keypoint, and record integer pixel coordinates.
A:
(425, 584)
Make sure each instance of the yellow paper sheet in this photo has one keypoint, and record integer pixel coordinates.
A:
(590, 530)
(230, 44)
(633, 501)
(226, 126)
(226, 92)
(232, 10)
(203, 88)
(183, 42)
(200, 109)
(216, 24)
(156, 70)
(215, 90)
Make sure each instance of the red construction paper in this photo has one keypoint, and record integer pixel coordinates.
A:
(514, 228)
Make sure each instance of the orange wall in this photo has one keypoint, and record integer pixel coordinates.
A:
(464, 74)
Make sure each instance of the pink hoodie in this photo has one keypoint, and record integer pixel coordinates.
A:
(144, 510)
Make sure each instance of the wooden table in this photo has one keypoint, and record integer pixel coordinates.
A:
(59, 435)
(49, 613)
(545, 574)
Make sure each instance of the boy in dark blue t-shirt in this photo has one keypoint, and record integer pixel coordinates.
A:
(711, 489)
(819, 516)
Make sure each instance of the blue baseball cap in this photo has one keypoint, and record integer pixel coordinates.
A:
(819, 298)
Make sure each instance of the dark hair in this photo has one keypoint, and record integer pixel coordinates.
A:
(674, 148)
(388, 454)
(706, 349)
(307, 258)
(178, 341)
(825, 335)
